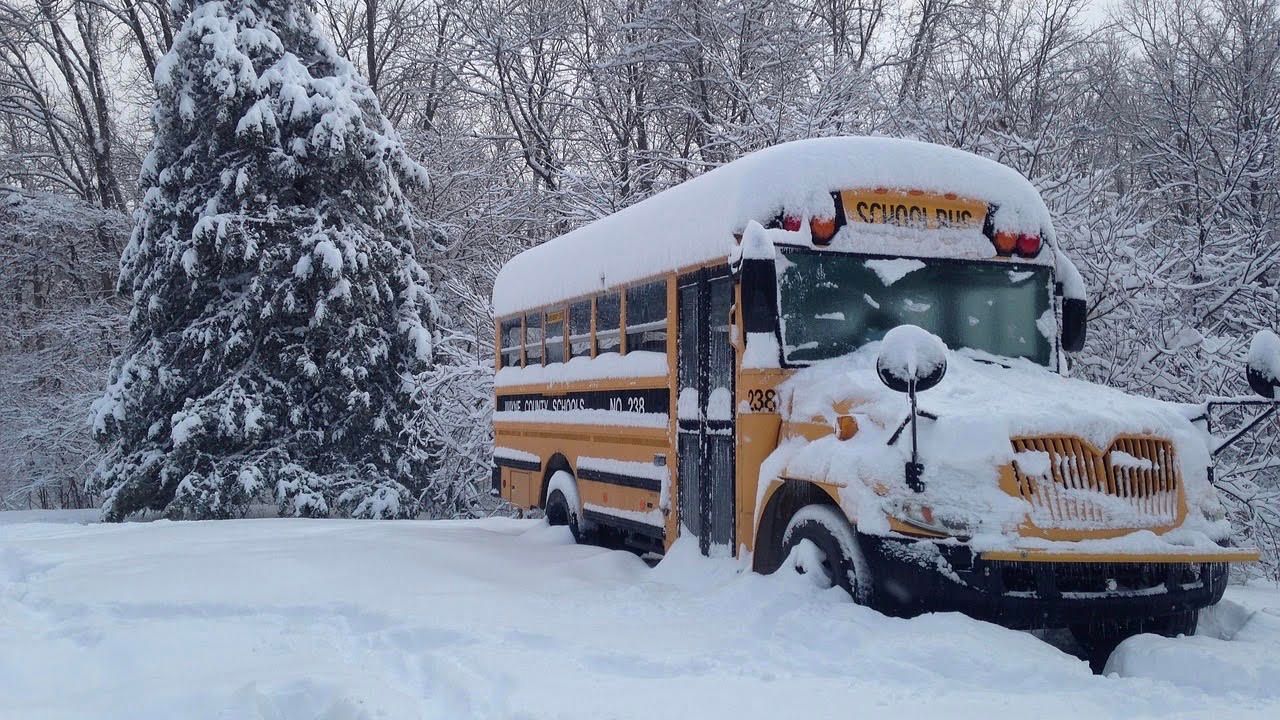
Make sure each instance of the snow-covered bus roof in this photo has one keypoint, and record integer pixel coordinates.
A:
(694, 222)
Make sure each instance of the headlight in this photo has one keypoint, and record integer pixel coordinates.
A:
(922, 516)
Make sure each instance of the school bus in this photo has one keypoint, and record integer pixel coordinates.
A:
(714, 364)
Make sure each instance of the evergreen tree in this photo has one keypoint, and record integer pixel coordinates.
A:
(279, 315)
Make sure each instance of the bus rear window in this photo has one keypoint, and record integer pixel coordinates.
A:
(511, 340)
(555, 336)
(647, 317)
(533, 339)
(608, 317)
(580, 329)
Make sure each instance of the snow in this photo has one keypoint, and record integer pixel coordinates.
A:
(720, 404)
(1033, 463)
(756, 243)
(891, 271)
(909, 351)
(564, 482)
(605, 366)
(184, 424)
(652, 517)
(762, 351)
(1073, 287)
(629, 468)
(506, 453)
(330, 256)
(687, 404)
(356, 620)
(1264, 355)
(75, 517)
(981, 404)
(1232, 654)
(694, 222)
(1122, 459)
(190, 262)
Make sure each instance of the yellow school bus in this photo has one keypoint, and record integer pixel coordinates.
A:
(847, 357)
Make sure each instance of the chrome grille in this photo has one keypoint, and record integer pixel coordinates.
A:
(1133, 484)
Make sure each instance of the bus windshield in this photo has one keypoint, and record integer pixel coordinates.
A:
(832, 304)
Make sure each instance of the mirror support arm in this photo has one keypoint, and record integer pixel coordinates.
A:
(914, 469)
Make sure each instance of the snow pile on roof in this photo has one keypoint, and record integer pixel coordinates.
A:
(694, 222)
(756, 244)
(980, 406)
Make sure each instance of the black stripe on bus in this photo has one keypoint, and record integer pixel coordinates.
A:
(631, 481)
(627, 524)
(655, 401)
(517, 464)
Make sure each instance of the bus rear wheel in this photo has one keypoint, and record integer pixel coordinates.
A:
(1099, 639)
(559, 513)
(819, 542)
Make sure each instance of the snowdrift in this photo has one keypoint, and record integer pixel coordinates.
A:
(352, 620)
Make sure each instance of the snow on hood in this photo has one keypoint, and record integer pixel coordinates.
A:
(979, 406)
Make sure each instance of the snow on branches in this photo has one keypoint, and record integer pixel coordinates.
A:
(279, 316)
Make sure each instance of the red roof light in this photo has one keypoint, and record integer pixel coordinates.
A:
(1028, 245)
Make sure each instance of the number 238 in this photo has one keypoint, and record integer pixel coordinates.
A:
(762, 400)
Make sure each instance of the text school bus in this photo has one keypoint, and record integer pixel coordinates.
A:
(737, 359)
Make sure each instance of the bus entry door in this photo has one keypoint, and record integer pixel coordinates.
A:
(704, 410)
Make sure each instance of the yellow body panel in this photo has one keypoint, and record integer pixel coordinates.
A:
(759, 429)
(758, 435)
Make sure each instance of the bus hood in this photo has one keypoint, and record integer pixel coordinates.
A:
(980, 406)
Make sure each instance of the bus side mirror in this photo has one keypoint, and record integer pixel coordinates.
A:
(1074, 323)
(1263, 366)
(911, 360)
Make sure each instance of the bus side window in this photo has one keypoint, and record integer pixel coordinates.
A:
(580, 329)
(533, 339)
(555, 336)
(647, 317)
(511, 342)
(608, 317)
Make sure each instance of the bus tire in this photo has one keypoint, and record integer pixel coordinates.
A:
(1099, 639)
(563, 506)
(838, 556)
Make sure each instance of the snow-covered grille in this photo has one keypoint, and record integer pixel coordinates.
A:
(1133, 484)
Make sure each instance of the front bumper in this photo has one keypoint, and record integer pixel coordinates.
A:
(912, 576)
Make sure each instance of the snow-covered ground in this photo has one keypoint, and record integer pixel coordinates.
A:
(345, 620)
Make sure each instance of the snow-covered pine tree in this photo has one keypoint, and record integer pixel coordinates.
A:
(279, 315)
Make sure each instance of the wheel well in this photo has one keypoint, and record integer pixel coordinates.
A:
(557, 463)
(793, 495)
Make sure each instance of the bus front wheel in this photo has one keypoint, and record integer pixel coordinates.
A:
(819, 542)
